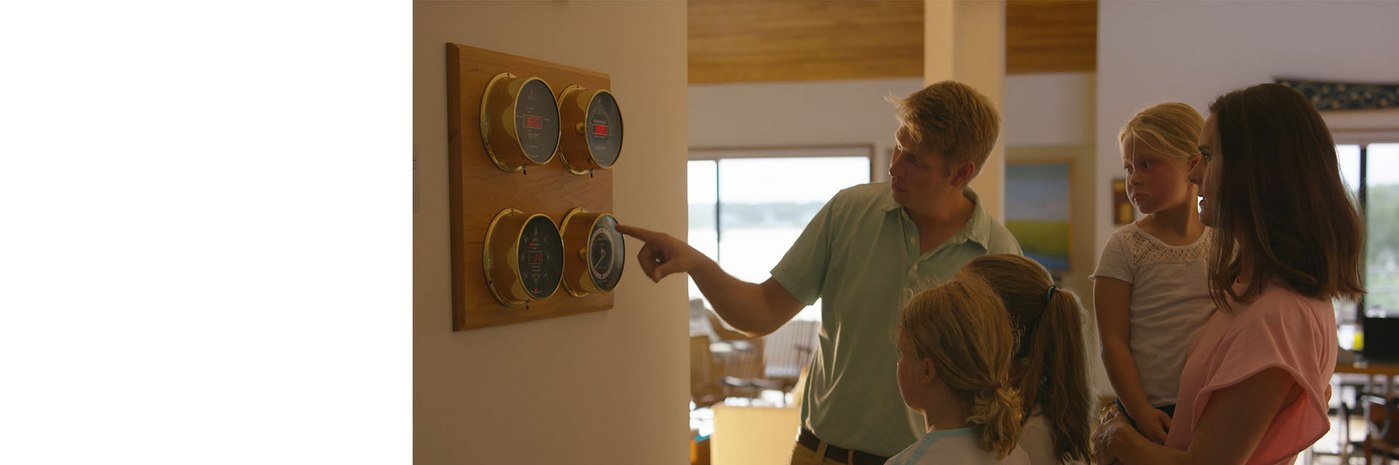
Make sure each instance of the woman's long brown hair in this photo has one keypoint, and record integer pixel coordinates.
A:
(1281, 199)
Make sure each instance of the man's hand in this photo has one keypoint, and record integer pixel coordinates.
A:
(663, 255)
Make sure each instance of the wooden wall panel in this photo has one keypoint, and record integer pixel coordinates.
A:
(1051, 36)
(479, 190)
(808, 40)
(804, 40)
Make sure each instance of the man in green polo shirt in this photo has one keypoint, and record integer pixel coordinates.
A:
(868, 250)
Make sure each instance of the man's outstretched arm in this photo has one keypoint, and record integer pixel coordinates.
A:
(757, 309)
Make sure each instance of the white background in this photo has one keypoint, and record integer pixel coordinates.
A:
(205, 232)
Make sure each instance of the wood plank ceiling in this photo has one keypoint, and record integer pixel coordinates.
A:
(806, 40)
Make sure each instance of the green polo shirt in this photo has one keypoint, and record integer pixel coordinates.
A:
(860, 256)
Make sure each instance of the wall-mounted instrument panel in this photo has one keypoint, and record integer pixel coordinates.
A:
(519, 122)
(530, 147)
(597, 264)
(592, 129)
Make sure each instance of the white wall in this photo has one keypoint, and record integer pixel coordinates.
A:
(1050, 109)
(1150, 52)
(599, 388)
(799, 114)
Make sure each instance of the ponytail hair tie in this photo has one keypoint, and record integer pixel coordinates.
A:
(1049, 294)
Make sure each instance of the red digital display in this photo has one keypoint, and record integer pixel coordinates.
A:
(599, 130)
(534, 122)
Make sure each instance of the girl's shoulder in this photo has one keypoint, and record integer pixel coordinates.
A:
(1126, 229)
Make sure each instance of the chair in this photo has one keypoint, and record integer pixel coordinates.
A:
(706, 373)
(742, 359)
(788, 351)
(723, 359)
(1382, 436)
(747, 366)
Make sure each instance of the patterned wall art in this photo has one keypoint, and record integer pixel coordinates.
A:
(1326, 95)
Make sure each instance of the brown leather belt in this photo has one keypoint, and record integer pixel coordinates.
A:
(809, 440)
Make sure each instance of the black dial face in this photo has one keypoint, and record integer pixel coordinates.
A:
(541, 257)
(537, 121)
(603, 127)
(606, 253)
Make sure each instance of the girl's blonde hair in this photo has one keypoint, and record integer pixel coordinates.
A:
(963, 327)
(1172, 128)
(1050, 365)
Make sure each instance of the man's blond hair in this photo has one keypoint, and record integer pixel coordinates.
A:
(951, 119)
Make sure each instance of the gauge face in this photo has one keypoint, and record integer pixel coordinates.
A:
(537, 121)
(540, 257)
(606, 253)
(603, 129)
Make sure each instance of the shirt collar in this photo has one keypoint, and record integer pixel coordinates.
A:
(977, 229)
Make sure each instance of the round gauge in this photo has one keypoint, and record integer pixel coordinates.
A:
(519, 122)
(601, 252)
(592, 127)
(523, 257)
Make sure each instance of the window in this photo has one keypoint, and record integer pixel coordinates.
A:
(747, 207)
(1371, 171)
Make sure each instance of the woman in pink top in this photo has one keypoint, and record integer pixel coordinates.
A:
(1254, 387)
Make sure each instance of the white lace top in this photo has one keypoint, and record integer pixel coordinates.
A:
(1170, 301)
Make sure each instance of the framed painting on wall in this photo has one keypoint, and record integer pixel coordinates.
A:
(1038, 213)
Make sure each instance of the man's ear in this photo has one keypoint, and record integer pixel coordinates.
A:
(962, 173)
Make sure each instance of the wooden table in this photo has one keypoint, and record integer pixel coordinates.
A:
(1372, 368)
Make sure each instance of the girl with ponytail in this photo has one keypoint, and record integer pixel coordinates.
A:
(955, 345)
(1049, 367)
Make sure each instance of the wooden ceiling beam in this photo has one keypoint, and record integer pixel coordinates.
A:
(805, 40)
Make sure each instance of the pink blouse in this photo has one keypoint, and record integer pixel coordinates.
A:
(1279, 329)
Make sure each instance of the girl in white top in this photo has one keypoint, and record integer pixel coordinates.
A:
(955, 346)
(1150, 291)
(1049, 368)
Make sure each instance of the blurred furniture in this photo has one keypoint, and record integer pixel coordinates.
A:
(788, 351)
(1371, 399)
(699, 451)
(706, 374)
(742, 357)
(753, 435)
(1344, 405)
(1373, 368)
(1382, 435)
(734, 364)
(771, 363)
